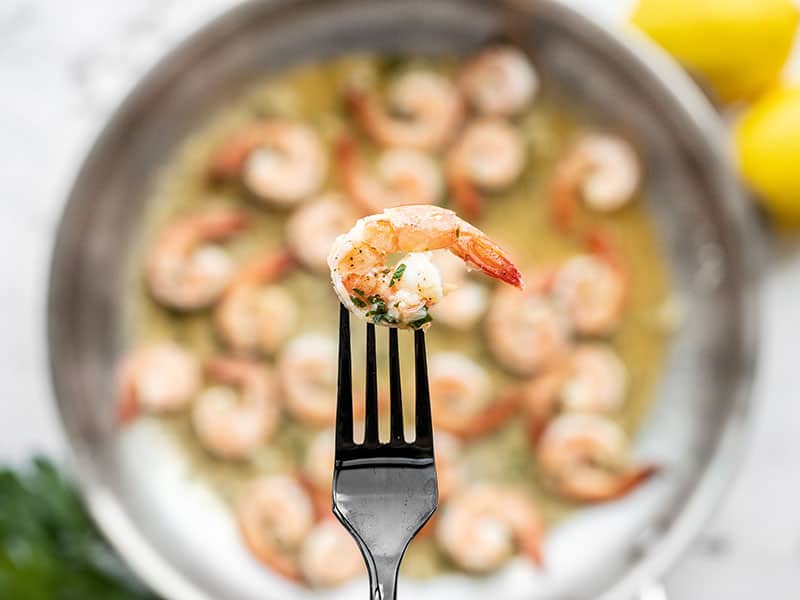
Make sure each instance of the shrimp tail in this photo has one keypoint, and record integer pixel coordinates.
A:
(228, 159)
(490, 419)
(617, 487)
(478, 250)
(227, 222)
(127, 402)
(362, 106)
(270, 266)
(532, 547)
(347, 162)
(465, 195)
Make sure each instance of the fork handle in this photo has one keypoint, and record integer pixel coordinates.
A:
(383, 577)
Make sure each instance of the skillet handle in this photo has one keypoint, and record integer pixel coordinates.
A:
(652, 591)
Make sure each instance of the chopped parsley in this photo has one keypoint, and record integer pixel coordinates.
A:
(378, 311)
(420, 322)
(398, 273)
(358, 302)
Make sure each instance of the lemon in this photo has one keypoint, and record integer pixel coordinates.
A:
(768, 145)
(736, 46)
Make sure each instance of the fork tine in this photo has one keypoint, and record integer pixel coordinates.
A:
(395, 390)
(424, 427)
(371, 421)
(344, 392)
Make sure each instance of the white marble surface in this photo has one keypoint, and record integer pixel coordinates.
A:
(65, 65)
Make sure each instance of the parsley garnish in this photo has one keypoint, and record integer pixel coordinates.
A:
(358, 302)
(420, 322)
(398, 273)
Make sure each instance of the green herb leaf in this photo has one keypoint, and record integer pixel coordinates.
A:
(49, 548)
(420, 322)
(358, 302)
(398, 273)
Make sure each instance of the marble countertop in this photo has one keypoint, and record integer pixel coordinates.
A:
(65, 66)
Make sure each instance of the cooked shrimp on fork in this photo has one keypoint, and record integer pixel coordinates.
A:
(401, 295)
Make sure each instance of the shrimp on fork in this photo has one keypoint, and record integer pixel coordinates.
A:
(184, 270)
(424, 110)
(401, 295)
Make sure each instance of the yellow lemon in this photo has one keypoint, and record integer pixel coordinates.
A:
(736, 46)
(768, 145)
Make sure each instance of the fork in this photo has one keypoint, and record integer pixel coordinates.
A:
(383, 493)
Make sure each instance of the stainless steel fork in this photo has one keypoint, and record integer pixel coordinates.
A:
(383, 493)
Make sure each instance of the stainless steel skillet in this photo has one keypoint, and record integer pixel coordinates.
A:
(174, 531)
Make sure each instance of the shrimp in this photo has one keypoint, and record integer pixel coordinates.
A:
(526, 332)
(424, 111)
(592, 379)
(481, 527)
(330, 556)
(402, 296)
(280, 161)
(313, 227)
(499, 81)
(401, 176)
(275, 516)
(308, 372)
(591, 289)
(184, 271)
(450, 472)
(601, 169)
(489, 155)
(585, 458)
(234, 418)
(158, 377)
(317, 469)
(462, 307)
(252, 317)
(462, 400)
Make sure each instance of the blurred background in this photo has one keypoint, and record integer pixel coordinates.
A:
(66, 66)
